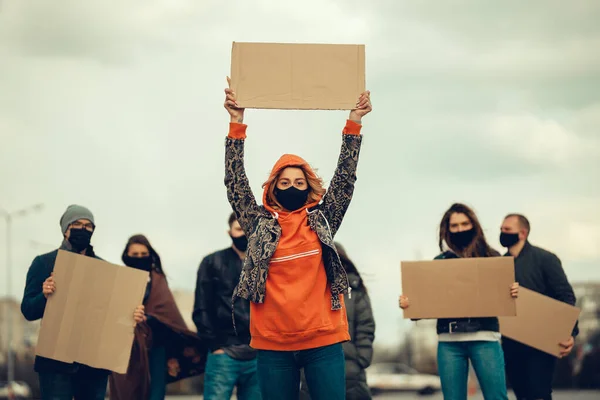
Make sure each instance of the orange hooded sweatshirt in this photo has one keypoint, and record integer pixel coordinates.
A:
(296, 314)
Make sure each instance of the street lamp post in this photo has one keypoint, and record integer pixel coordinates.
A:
(9, 217)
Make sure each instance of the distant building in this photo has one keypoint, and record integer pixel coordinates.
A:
(24, 333)
(421, 342)
(588, 299)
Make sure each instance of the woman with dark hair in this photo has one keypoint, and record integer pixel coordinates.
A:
(358, 352)
(292, 275)
(468, 339)
(164, 349)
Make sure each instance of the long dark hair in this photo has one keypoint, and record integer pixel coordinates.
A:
(143, 240)
(349, 265)
(478, 247)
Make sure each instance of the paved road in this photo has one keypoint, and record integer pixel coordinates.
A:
(594, 395)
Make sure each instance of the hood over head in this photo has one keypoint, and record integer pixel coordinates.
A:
(288, 160)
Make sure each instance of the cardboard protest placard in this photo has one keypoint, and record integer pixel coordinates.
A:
(89, 318)
(459, 288)
(298, 76)
(541, 322)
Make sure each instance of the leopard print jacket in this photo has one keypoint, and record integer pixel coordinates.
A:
(264, 231)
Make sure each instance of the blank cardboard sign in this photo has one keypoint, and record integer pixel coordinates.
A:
(89, 318)
(297, 76)
(541, 322)
(459, 288)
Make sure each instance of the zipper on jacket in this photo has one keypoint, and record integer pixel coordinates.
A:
(336, 253)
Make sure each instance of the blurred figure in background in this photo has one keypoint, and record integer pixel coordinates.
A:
(530, 371)
(59, 380)
(358, 352)
(164, 349)
(231, 362)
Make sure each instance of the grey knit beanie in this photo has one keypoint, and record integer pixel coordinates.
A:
(73, 213)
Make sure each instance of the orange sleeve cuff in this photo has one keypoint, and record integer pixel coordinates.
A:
(352, 128)
(237, 131)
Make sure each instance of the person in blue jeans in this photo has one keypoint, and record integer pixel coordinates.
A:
(231, 362)
(60, 380)
(468, 339)
(292, 273)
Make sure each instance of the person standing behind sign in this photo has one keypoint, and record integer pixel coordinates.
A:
(468, 339)
(164, 349)
(530, 371)
(231, 361)
(293, 275)
(59, 380)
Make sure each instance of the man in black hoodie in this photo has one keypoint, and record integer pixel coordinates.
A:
(530, 371)
(231, 361)
(59, 380)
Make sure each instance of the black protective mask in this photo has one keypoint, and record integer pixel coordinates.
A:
(143, 263)
(240, 242)
(462, 239)
(292, 198)
(80, 239)
(509, 239)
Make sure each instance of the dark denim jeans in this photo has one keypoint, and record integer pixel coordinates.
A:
(80, 385)
(529, 371)
(487, 359)
(324, 368)
(223, 373)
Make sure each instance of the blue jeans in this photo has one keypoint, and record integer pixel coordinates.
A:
(487, 359)
(324, 368)
(80, 385)
(223, 373)
(158, 373)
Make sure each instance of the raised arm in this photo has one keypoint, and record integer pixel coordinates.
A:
(339, 194)
(239, 192)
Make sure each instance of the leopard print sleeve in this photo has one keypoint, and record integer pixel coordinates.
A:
(339, 194)
(239, 193)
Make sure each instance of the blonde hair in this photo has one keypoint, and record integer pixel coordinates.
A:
(315, 184)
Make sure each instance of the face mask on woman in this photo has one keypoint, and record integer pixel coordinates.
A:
(462, 239)
(292, 198)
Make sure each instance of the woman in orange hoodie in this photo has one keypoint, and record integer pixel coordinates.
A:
(292, 273)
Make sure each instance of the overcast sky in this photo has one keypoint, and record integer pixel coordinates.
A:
(117, 105)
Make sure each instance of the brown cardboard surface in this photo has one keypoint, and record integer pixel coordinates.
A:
(541, 322)
(297, 76)
(89, 318)
(456, 288)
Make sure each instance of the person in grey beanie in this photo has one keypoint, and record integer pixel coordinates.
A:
(59, 380)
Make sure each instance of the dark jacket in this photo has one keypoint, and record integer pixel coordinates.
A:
(264, 231)
(218, 275)
(456, 325)
(34, 304)
(359, 350)
(541, 271)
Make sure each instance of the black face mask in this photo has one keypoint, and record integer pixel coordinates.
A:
(80, 239)
(240, 243)
(509, 239)
(462, 239)
(292, 198)
(143, 263)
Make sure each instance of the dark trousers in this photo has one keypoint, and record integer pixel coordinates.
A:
(82, 385)
(529, 371)
(324, 368)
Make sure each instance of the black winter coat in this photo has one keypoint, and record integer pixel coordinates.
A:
(359, 350)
